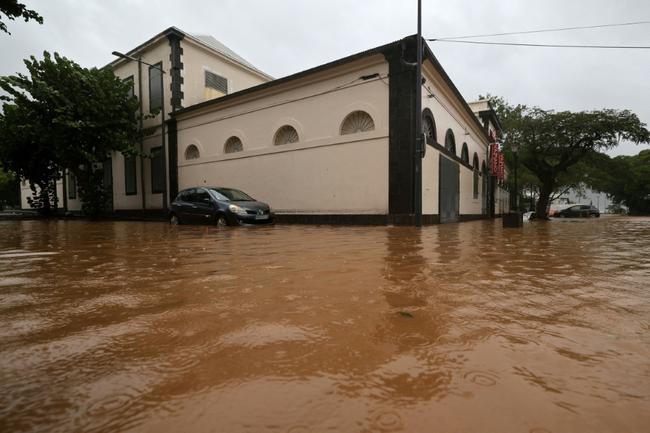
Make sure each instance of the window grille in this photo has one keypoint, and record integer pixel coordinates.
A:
(357, 121)
(216, 82)
(192, 152)
(285, 135)
(233, 144)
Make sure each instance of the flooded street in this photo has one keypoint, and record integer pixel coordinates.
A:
(146, 327)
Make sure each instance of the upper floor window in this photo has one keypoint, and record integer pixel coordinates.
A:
(155, 87)
(464, 154)
(192, 152)
(285, 135)
(216, 82)
(450, 141)
(357, 121)
(233, 144)
(429, 127)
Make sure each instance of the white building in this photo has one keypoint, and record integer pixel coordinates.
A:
(335, 143)
(600, 199)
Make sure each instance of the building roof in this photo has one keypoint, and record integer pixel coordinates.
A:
(205, 41)
(218, 46)
(483, 109)
(383, 49)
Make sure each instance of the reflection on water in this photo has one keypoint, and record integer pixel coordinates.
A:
(457, 328)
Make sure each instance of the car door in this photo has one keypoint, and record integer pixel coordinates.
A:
(573, 211)
(183, 205)
(202, 207)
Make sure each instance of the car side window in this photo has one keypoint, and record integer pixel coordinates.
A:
(201, 196)
(186, 195)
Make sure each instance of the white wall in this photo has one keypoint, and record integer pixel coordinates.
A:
(324, 172)
(430, 176)
(468, 204)
(25, 192)
(448, 113)
(197, 59)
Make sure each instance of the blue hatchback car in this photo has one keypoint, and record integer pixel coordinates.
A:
(217, 205)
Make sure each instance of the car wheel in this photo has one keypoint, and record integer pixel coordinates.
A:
(174, 220)
(221, 221)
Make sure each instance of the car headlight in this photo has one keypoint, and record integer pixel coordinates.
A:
(237, 209)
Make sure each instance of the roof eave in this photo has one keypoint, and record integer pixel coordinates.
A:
(279, 81)
(165, 33)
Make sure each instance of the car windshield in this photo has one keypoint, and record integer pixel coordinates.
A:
(229, 194)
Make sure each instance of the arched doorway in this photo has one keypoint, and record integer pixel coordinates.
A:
(449, 182)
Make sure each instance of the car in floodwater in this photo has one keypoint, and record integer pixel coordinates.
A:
(218, 205)
(578, 210)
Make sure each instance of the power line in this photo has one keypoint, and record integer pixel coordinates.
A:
(618, 47)
(557, 29)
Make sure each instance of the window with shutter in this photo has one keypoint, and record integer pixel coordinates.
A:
(216, 82)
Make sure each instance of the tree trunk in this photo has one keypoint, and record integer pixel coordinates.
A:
(46, 209)
(542, 203)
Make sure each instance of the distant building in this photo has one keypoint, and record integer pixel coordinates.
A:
(335, 143)
(585, 195)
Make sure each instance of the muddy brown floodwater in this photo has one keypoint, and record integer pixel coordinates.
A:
(128, 326)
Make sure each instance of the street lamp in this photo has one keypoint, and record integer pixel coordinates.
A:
(162, 122)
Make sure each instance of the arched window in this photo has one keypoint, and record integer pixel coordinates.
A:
(464, 154)
(476, 168)
(429, 126)
(232, 145)
(192, 152)
(483, 168)
(357, 121)
(450, 141)
(285, 135)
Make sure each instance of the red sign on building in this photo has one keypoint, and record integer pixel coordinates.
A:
(494, 159)
(502, 166)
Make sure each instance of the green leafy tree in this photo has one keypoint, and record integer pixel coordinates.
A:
(627, 180)
(9, 189)
(26, 151)
(553, 144)
(12, 10)
(64, 117)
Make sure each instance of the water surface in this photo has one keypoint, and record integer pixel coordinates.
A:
(127, 326)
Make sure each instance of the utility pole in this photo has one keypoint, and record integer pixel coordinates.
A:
(419, 142)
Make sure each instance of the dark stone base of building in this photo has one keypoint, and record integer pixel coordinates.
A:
(363, 219)
(312, 219)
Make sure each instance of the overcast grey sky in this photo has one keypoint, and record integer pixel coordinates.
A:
(286, 36)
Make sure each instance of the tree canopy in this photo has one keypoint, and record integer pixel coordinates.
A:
(626, 179)
(61, 116)
(552, 145)
(12, 10)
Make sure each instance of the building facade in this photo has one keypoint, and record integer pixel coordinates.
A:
(336, 143)
(332, 144)
(194, 68)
